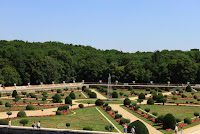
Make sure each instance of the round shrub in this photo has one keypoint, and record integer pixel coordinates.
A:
(160, 119)
(21, 114)
(72, 95)
(99, 102)
(117, 116)
(169, 121)
(68, 100)
(81, 105)
(1, 103)
(83, 88)
(114, 94)
(67, 125)
(30, 107)
(127, 101)
(140, 128)
(150, 101)
(195, 96)
(7, 104)
(58, 112)
(88, 128)
(123, 121)
(155, 113)
(141, 96)
(93, 95)
(148, 89)
(114, 88)
(108, 108)
(187, 120)
(24, 122)
(196, 114)
(59, 91)
(56, 98)
(147, 109)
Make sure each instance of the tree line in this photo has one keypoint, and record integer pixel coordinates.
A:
(22, 62)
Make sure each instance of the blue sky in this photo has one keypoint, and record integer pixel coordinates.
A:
(127, 25)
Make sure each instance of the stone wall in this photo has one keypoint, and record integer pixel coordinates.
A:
(29, 130)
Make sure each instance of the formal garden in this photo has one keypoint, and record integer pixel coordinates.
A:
(76, 108)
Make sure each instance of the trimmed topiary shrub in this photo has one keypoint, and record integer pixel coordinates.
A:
(140, 128)
(123, 121)
(169, 121)
(141, 96)
(148, 89)
(72, 95)
(68, 100)
(58, 112)
(93, 95)
(117, 116)
(188, 88)
(24, 122)
(108, 108)
(127, 101)
(83, 88)
(30, 107)
(67, 125)
(187, 120)
(88, 128)
(21, 114)
(147, 110)
(1, 103)
(196, 114)
(81, 105)
(150, 101)
(59, 91)
(155, 113)
(7, 104)
(99, 102)
(56, 98)
(178, 120)
(114, 94)
(160, 119)
(14, 93)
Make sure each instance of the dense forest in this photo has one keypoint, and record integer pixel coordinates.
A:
(22, 62)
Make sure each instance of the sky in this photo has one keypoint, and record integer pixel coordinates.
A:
(125, 25)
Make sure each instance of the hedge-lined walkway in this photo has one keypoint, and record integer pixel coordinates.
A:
(132, 118)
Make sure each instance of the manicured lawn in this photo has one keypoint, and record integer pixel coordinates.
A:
(92, 101)
(194, 100)
(82, 118)
(178, 111)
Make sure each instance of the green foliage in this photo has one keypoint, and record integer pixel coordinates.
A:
(67, 125)
(169, 121)
(117, 116)
(130, 88)
(4, 122)
(188, 88)
(141, 96)
(160, 119)
(155, 113)
(24, 93)
(140, 128)
(81, 105)
(30, 107)
(14, 93)
(72, 95)
(114, 94)
(99, 102)
(187, 120)
(56, 98)
(123, 121)
(83, 88)
(58, 112)
(109, 128)
(178, 120)
(150, 101)
(127, 101)
(1, 103)
(65, 107)
(147, 110)
(23, 121)
(59, 91)
(108, 108)
(68, 100)
(196, 114)
(21, 114)
(7, 104)
(92, 95)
